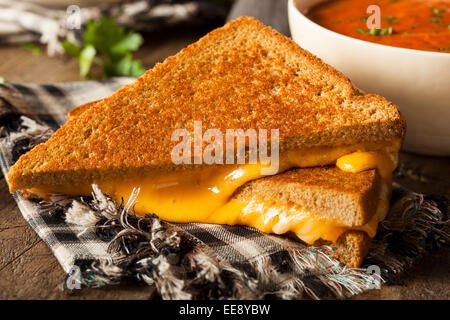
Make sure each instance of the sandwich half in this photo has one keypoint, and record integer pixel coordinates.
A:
(241, 76)
(322, 205)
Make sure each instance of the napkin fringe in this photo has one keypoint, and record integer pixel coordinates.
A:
(181, 267)
(416, 225)
(27, 135)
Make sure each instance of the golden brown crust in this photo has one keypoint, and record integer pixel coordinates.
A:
(77, 111)
(352, 247)
(349, 199)
(243, 75)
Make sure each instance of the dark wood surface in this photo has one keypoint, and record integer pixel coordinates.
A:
(28, 269)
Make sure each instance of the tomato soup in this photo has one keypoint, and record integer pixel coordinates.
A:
(412, 24)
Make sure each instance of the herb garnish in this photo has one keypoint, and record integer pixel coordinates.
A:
(362, 19)
(113, 44)
(437, 12)
(34, 49)
(391, 19)
(443, 49)
(362, 31)
(375, 31)
(436, 15)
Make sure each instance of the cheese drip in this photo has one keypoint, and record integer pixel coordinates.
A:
(195, 195)
(279, 218)
(203, 195)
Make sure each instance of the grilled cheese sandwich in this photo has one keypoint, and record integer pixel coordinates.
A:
(241, 76)
(322, 205)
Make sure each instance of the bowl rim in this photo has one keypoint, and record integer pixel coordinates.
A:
(292, 6)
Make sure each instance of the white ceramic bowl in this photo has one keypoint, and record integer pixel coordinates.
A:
(417, 81)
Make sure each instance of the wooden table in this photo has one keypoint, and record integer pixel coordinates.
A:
(28, 269)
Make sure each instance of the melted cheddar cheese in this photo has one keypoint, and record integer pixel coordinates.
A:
(202, 195)
(196, 195)
(360, 161)
(274, 217)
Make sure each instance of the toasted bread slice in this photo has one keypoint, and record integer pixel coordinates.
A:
(75, 112)
(317, 205)
(351, 248)
(348, 199)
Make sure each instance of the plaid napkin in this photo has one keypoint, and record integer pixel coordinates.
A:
(100, 242)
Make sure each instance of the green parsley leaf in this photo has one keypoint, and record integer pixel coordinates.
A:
(391, 19)
(85, 59)
(108, 45)
(435, 20)
(71, 48)
(130, 42)
(362, 31)
(374, 31)
(386, 31)
(443, 49)
(125, 67)
(35, 50)
(437, 12)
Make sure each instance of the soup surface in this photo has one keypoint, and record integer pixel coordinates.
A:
(412, 24)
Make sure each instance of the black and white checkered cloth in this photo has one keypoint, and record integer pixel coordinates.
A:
(97, 238)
